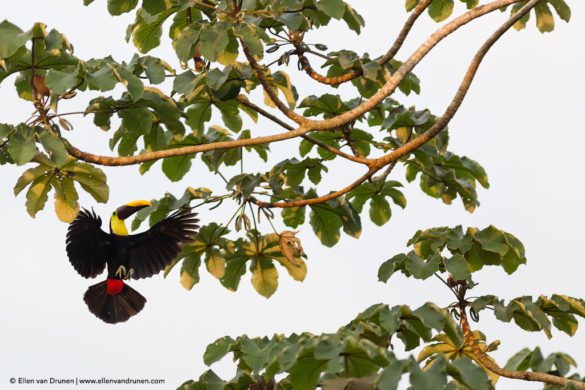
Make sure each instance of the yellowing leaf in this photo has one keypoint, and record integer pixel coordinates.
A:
(265, 278)
(190, 271)
(297, 272)
(216, 265)
(66, 205)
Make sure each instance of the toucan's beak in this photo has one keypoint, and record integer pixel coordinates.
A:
(130, 208)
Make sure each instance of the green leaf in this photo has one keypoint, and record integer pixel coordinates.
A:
(492, 239)
(471, 375)
(440, 10)
(293, 216)
(22, 147)
(389, 267)
(184, 43)
(29, 176)
(519, 361)
(92, 180)
(235, 268)
(434, 317)
(421, 269)
(54, 147)
(59, 82)
(136, 119)
(146, 35)
(217, 350)
(175, 168)
(333, 8)
(432, 378)
(326, 225)
(118, 7)
(216, 78)
(390, 376)
(185, 82)
(562, 9)
(380, 212)
(250, 37)
(213, 40)
(37, 194)
(130, 81)
(305, 373)
(12, 38)
(457, 266)
(197, 115)
(353, 19)
(103, 79)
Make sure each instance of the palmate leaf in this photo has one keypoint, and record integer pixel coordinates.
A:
(12, 38)
(118, 7)
(208, 247)
(147, 33)
(556, 363)
(470, 252)
(376, 193)
(357, 354)
(22, 144)
(48, 175)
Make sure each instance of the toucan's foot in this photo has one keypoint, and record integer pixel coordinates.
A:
(124, 274)
(121, 272)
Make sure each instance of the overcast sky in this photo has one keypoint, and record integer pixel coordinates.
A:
(521, 121)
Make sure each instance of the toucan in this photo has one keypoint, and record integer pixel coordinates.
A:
(136, 256)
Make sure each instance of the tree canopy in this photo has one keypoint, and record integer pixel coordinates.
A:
(233, 57)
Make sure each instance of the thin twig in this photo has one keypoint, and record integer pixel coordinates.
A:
(419, 9)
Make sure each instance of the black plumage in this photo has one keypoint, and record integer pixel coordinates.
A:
(142, 255)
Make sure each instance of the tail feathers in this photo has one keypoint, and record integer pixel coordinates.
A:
(113, 305)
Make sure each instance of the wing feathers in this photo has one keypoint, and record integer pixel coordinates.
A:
(87, 244)
(150, 252)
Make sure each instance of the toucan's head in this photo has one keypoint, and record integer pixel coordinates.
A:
(128, 209)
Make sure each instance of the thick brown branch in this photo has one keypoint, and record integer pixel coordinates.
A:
(461, 91)
(381, 61)
(522, 375)
(441, 124)
(181, 151)
(309, 126)
(243, 100)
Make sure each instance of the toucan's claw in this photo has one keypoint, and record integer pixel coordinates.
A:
(121, 272)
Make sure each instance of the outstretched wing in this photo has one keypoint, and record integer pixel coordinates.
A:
(87, 244)
(150, 252)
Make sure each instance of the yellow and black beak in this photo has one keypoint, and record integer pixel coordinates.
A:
(129, 209)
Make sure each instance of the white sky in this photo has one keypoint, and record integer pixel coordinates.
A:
(520, 121)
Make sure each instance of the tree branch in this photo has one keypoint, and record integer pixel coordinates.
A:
(522, 375)
(381, 61)
(181, 151)
(461, 91)
(391, 158)
(392, 83)
(243, 100)
(310, 125)
(321, 199)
